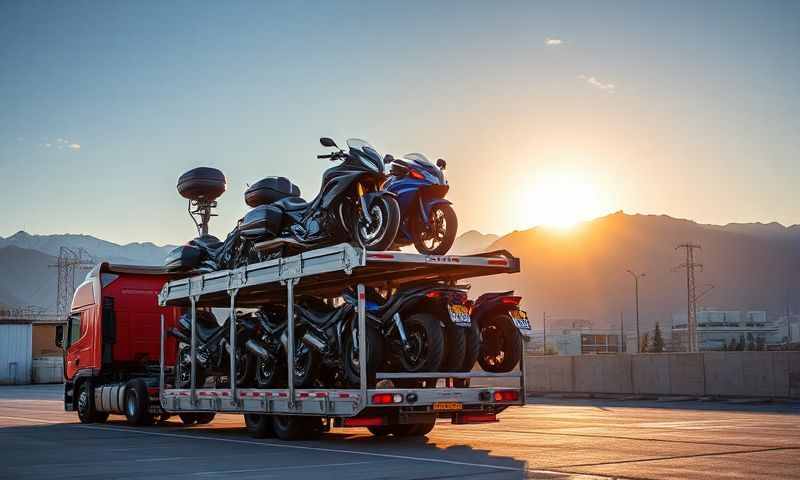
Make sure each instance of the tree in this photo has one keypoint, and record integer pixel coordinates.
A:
(658, 340)
(645, 341)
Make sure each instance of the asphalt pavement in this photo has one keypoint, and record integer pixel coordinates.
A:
(548, 439)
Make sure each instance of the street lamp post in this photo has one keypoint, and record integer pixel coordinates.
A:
(636, 277)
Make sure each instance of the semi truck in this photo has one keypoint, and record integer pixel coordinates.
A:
(120, 360)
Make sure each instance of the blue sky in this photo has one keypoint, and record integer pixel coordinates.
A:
(685, 108)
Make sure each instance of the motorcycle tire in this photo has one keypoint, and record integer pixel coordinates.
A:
(501, 345)
(270, 373)
(471, 353)
(306, 367)
(374, 356)
(455, 347)
(382, 238)
(447, 237)
(183, 370)
(424, 333)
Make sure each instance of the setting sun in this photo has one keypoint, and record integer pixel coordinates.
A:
(561, 200)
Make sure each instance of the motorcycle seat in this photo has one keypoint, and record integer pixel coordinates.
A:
(321, 319)
(291, 204)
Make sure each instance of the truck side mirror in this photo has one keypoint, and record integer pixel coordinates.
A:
(441, 163)
(60, 336)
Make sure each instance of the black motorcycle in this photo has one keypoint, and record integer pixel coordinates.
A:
(213, 349)
(269, 346)
(502, 324)
(350, 206)
(333, 337)
(425, 328)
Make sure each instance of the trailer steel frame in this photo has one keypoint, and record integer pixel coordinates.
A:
(323, 273)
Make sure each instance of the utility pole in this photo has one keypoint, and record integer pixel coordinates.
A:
(70, 262)
(636, 278)
(544, 332)
(691, 294)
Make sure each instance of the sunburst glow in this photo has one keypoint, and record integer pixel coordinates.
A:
(561, 200)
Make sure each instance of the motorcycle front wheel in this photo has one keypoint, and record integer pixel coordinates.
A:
(376, 229)
(438, 235)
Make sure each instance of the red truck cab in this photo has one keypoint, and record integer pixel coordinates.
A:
(113, 336)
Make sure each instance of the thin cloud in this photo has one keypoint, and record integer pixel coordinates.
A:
(74, 146)
(593, 81)
(553, 41)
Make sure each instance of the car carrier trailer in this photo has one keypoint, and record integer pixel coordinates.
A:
(325, 273)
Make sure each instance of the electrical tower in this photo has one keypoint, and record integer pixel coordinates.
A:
(71, 263)
(691, 292)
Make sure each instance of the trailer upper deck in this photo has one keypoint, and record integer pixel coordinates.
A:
(325, 272)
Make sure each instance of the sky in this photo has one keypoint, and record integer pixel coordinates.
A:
(547, 112)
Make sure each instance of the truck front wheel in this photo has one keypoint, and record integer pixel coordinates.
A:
(87, 413)
(137, 403)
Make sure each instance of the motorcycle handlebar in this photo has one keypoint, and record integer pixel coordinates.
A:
(330, 155)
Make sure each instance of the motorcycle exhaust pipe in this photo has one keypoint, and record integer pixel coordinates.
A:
(258, 347)
(313, 341)
(179, 335)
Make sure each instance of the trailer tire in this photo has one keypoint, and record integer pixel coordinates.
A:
(205, 418)
(421, 429)
(380, 430)
(87, 411)
(296, 427)
(137, 403)
(259, 425)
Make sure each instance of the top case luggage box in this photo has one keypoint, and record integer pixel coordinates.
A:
(269, 190)
(202, 183)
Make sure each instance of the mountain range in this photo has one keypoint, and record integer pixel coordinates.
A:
(579, 274)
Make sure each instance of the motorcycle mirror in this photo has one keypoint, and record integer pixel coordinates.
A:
(327, 142)
(59, 336)
(388, 158)
(441, 163)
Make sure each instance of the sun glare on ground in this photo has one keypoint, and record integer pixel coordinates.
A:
(561, 200)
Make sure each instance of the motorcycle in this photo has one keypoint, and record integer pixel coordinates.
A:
(332, 334)
(212, 349)
(501, 323)
(428, 220)
(425, 328)
(350, 206)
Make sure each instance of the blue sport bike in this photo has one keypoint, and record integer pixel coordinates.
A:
(427, 219)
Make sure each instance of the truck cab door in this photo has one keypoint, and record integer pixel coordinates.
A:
(78, 343)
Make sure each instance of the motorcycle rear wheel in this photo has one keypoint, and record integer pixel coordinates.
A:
(426, 343)
(380, 232)
(501, 346)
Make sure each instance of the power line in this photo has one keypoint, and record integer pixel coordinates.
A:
(691, 292)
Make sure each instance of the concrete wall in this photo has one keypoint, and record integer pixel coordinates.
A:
(47, 370)
(15, 353)
(735, 374)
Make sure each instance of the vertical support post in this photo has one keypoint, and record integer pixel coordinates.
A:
(290, 334)
(523, 355)
(193, 343)
(232, 379)
(362, 342)
(161, 364)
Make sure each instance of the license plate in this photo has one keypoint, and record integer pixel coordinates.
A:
(520, 319)
(447, 406)
(459, 314)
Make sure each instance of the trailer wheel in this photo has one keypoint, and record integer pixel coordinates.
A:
(87, 412)
(259, 425)
(296, 427)
(413, 429)
(137, 403)
(380, 430)
(205, 418)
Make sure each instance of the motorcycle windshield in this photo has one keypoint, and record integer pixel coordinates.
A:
(422, 162)
(364, 147)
